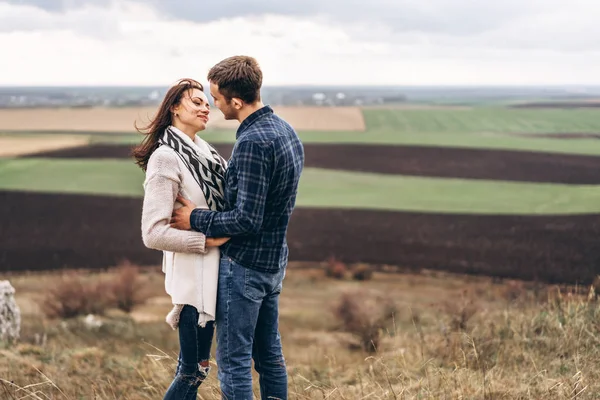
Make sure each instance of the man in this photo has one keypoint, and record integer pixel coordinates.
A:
(260, 192)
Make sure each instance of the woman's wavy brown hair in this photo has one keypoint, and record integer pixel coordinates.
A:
(155, 129)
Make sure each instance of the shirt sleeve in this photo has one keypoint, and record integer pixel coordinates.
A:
(160, 191)
(254, 167)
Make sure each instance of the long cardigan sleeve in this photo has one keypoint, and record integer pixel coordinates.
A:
(163, 180)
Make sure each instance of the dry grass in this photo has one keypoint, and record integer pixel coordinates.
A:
(75, 119)
(451, 338)
(323, 118)
(11, 146)
(102, 119)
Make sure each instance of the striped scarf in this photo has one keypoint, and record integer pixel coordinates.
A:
(208, 172)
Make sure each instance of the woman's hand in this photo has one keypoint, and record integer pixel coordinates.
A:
(216, 242)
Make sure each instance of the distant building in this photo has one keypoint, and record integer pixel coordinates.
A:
(319, 98)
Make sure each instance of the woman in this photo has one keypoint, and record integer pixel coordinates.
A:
(176, 161)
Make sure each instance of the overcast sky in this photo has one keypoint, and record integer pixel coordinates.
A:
(402, 42)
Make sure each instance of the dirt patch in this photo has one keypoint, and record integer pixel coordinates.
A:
(446, 162)
(46, 231)
(11, 146)
(102, 119)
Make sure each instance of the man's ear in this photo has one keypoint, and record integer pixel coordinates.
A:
(237, 103)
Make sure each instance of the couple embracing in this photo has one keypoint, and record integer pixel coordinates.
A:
(222, 228)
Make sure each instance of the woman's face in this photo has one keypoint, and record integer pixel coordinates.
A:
(193, 109)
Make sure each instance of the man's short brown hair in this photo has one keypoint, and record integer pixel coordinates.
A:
(238, 76)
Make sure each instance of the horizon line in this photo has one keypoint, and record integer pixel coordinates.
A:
(488, 85)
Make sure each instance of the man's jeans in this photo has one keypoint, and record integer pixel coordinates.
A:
(194, 348)
(248, 328)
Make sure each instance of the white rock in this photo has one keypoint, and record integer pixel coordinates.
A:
(92, 322)
(10, 315)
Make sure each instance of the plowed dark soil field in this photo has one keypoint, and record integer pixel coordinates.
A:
(445, 162)
(47, 231)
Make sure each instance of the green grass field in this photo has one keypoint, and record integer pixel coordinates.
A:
(483, 119)
(323, 188)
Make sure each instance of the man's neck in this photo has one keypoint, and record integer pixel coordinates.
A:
(249, 110)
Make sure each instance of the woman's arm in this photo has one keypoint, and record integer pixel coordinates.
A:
(162, 184)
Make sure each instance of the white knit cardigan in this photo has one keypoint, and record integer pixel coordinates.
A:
(191, 270)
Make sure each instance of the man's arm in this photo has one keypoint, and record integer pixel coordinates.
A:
(254, 165)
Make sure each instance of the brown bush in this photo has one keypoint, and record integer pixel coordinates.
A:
(595, 287)
(76, 295)
(73, 296)
(365, 316)
(362, 272)
(513, 291)
(336, 269)
(460, 312)
(126, 288)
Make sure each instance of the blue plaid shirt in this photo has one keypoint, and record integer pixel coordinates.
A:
(260, 193)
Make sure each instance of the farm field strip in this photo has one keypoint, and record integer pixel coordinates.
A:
(408, 160)
(324, 188)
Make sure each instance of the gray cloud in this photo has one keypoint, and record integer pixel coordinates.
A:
(48, 5)
(56, 15)
(444, 16)
(517, 24)
(57, 5)
(507, 23)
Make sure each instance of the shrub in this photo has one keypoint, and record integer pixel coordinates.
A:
(595, 287)
(126, 288)
(73, 296)
(365, 316)
(336, 269)
(76, 295)
(362, 272)
(460, 312)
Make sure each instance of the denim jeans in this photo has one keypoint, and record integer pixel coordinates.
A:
(247, 323)
(194, 348)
